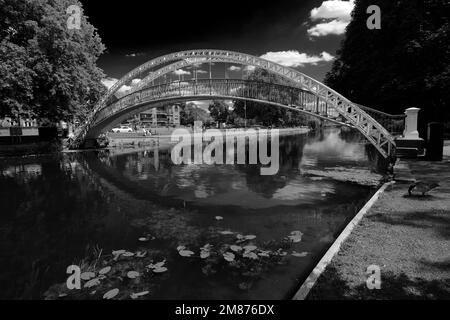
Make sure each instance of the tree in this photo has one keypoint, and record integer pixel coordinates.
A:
(219, 111)
(48, 71)
(191, 113)
(405, 64)
(266, 114)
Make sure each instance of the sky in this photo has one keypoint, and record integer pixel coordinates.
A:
(302, 34)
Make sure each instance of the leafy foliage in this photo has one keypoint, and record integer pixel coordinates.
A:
(191, 112)
(48, 71)
(405, 64)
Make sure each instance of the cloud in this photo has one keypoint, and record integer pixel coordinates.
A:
(333, 17)
(250, 68)
(134, 55)
(293, 58)
(334, 9)
(234, 68)
(202, 72)
(181, 72)
(334, 27)
(109, 82)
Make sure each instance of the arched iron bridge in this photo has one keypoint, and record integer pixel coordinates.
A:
(303, 94)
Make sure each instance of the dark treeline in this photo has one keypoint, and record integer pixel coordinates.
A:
(405, 64)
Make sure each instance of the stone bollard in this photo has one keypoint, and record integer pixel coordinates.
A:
(412, 116)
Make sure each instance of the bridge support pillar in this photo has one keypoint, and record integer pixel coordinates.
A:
(410, 145)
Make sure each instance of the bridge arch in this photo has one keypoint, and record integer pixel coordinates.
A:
(351, 112)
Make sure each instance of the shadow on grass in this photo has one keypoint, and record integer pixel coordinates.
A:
(393, 287)
(438, 220)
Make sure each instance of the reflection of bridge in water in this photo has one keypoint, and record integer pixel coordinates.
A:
(301, 93)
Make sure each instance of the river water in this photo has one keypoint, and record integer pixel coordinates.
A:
(261, 235)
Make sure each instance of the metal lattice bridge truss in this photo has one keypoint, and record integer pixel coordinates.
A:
(303, 94)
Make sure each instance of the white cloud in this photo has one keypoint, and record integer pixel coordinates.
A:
(135, 82)
(335, 27)
(334, 9)
(334, 17)
(109, 82)
(202, 72)
(134, 55)
(234, 68)
(250, 68)
(181, 72)
(293, 58)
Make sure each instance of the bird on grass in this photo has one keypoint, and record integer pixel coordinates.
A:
(422, 187)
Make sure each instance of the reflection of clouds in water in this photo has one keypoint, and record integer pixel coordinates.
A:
(201, 192)
(303, 190)
(334, 146)
(308, 161)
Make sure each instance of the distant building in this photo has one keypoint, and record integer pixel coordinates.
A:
(24, 123)
(161, 117)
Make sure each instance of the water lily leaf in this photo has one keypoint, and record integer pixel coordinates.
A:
(236, 248)
(139, 294)
(186, 253)
(179, 248)
(204, 254)
(92, 283)
(206, 247)
(111, 294)
(141, 254)
(219, 218)
(118, 252)
(226, 232)
(264, 254)
(133, 274)
(250, 237)
(229, 256)
(250, 248)
(128, 254)
(296, 236)
(250, 255)
(143, 239)
(87, 276)
(299, 255)
(160, 270)
(240, 236)
(105, 270)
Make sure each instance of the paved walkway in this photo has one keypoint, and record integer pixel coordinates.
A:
(407, 237)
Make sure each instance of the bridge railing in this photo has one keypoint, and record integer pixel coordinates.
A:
(248, 89)
(395, 124)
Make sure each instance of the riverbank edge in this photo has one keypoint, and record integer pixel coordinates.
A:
(164, 141)
(321, 266)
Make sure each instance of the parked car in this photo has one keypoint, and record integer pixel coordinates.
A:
(122, 129)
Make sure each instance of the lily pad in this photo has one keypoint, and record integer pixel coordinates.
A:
(160, 270)
(179, 248)
(296, 236)
(250, 237)
(92, 283)
(105, 270)
(229, 256)
(186, 253)
(87, 276)
(139, 294)
(250, 248)
(219, 218)
(111, 294)
(128, 254)
(143, 239)
(204, 254)
(141, 254)
(133, 274)
(226, 232)
(236, 248)
(250, 255)
(299, 255)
